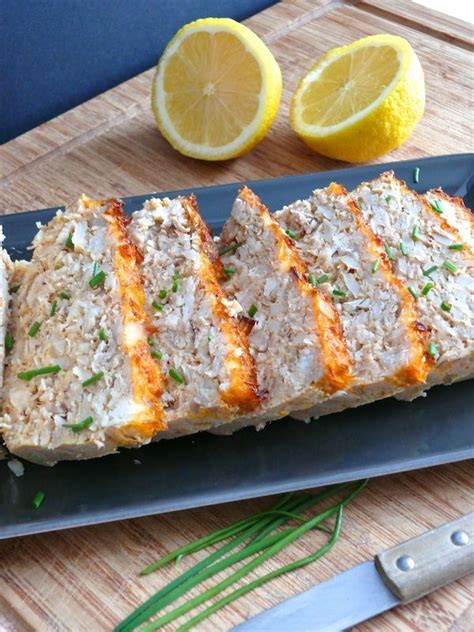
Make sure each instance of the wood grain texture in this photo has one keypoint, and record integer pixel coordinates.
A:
(84, 580)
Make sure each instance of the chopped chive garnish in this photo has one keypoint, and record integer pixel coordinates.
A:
(102, 335)
(449, 265)
(432, 350)
(97, 279)
(436, 207)
(8, 341)
(229, 249)
(65, 296)
(446, 307)
(416, 175)
(429, 286)
(95, 268)
(388, 198)
(177, 377)
(176, 283)
(229, 272)
(38, 499)
(45, 370)
(15, 288)
(162, 294)
(389, 252)
(156, 354)
(252, 310)
(430, 270)
(415, 233)
(81, 425)
(291, 233)
(209, 338)
(375, 266)
(456, 247)
(412, 292)
(54, 307)
(312, 280)
(69, 243)
(35, 327)
(93, 379)
(157, 306)
(324, 278)
(340, 293)
(403, 249)
(150, 341)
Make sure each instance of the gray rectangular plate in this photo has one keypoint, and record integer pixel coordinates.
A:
(382, 438)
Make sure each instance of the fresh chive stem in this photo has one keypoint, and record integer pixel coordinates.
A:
(15, 288)
(97, 279)
(265, 578)
(177, 377)
(389, 252)
(432, 350)
(375, 266)
(102, 335)
(416, 175)
(312, 279)
(8, 341)
(252, 310)
(69, 243)
(268, 551)
(54, 307)
(38, 499)
(403, 249)
(436, 206)
(324, 278)
(65, 296)
(81, 425)
(162, 294)
(93, 379)
(242, 530)
(291, 233)
(157, 355)
(430, 270)
(456, 247)
(429, 286)
(255, 525)
(412, 292)
(176, 282)
(158, 306)
(449, 265)
(229, 272)
(388, 198)
(415, 233)
(337, 292)
(45, 370)
(228, 249)
(446, 307)
(35, 327)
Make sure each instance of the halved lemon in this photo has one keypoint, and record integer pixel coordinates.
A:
(216, 90)
(361, 100)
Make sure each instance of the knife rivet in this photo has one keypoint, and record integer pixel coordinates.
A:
(405, 563)
(459, 538)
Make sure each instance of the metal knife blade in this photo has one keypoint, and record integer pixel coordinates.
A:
(401, 574)
(331, 606)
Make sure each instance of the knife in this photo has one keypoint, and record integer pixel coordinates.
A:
(396, 576)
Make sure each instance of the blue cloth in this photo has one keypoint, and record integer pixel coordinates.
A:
(55, 54)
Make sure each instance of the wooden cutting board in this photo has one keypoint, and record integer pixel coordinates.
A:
(85, 579)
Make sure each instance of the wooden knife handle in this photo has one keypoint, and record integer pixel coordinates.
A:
(436, 558)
